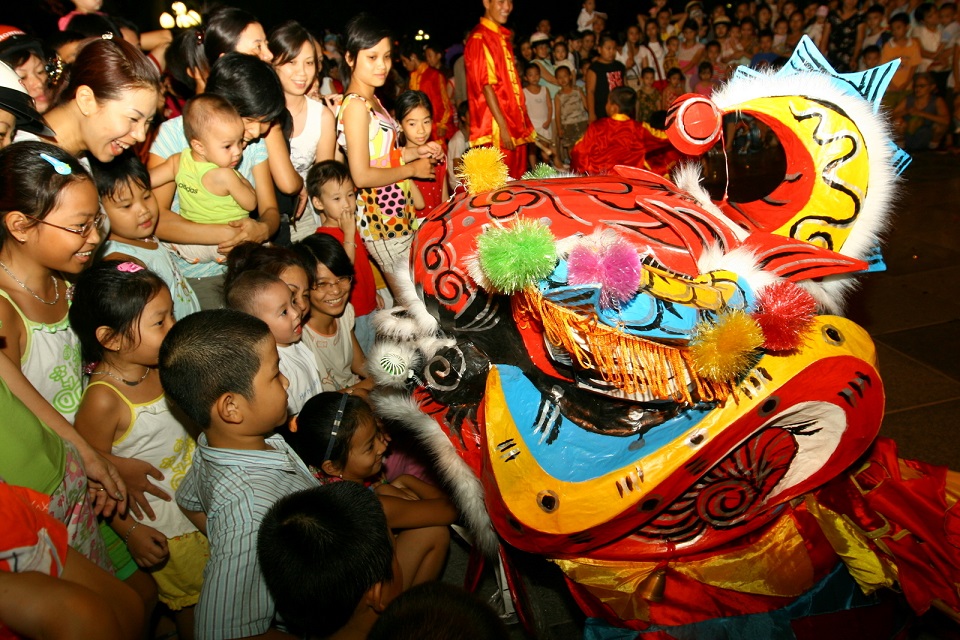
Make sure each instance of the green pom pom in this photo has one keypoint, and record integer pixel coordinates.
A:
(515, 257)
(541, 172)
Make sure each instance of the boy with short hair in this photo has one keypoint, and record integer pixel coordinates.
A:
(765, 56)
(210, 188)
(221, 368)
(328, 559)
(902, 46)
(267, 297)
(619, 139)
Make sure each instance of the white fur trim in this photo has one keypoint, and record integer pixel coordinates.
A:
(465, 486)
(407, 296)
(390, 363)
(740, 261)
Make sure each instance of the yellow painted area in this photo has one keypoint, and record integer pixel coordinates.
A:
(840, 136)
(711, 291)
(588, 504)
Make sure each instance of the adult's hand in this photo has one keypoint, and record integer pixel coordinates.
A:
(108, 492)
(136, 474)
(248, 230)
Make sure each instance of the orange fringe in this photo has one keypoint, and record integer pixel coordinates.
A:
(627, 362)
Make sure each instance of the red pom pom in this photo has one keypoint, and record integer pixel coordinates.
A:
(785, 312)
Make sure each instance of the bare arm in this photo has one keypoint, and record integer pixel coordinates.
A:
(285, 177)
(327, 144)
(356, 125)
(225, 181)
(506, 140)
(164, 173)
(591, 89)
(418, 202)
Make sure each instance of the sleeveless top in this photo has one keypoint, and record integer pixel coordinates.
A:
(162, 263)
(537, 110)
(51, 361)
(303, 154)
(155, 435)
(572, 110)
(196, 203)
(388, 211)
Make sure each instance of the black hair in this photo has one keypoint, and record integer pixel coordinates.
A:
(94, 25)
(899, 17)
(878, 8)
(320, 550)
(201, 111)
(625, 100)
(363, 31)
(920, 13)
(605, 37)
(31, 185)
(123, 23)
(407, 102)
(712, 43)
(222, 29)
(315, 423)
(321, 248)
(106, 296)
(704, 66)
(410, 48)
(253, 256)
(690, 24)
(765, 33)
(249, 84)
(323, 172)
(748, 20)
(646, 70)
(243, 291)
(208, 354)
(56, 40)
(562, 66)
(113, 177)
(463, 109)
(674, 71)
(184, 54)
(287, 40)
(870, 49)
(438, 610)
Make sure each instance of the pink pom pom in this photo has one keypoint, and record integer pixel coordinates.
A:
(617, 271)
(785, 313)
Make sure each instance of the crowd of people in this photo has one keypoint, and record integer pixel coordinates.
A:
(196, 229)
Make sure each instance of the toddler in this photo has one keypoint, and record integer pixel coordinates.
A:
(268, 298)
(704, 85)
(674, 88)
(562, 58)
(671, 57)
(126, 197)
(648, 98)
(210, 189)
(222, 369)
(540, 111)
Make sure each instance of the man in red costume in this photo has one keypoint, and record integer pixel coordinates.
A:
(425, 78)
(619, 139)
(498, 113)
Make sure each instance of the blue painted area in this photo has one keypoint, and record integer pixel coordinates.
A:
(578, 455)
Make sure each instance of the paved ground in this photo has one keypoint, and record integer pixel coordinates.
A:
(913, 312)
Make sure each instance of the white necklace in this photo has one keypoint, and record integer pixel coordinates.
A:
(56, 287)
(129, 383)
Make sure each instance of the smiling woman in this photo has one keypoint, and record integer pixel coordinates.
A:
(106, 103)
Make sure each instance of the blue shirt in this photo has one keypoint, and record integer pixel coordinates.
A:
(171, 140)
(236, 488)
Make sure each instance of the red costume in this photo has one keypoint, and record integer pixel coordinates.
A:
(622, 140)
(427, 79)
(488, 57)
(432, 190)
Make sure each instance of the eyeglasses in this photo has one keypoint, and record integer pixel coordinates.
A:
(339, 283)
(83, 230)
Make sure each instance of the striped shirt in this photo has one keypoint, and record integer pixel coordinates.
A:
(236, 488)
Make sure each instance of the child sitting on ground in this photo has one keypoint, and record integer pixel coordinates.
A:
(121, 313)
(222, 369)
(127, 199)
(334, 198)
(619, 139)
(328, 560)
(267, 297)
(210, 189)
(338, 436)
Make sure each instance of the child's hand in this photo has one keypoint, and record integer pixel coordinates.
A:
(422, 168)
(394, 492)
(147, 546)
(348, 224)
(431, 150)
(546, 125)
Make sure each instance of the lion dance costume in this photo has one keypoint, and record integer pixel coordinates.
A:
(656, 391)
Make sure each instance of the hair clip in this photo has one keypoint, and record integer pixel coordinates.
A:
(336, 426)
(90, 367)
(107, 36)
(129, 267)
(59, 166)
(199, 34)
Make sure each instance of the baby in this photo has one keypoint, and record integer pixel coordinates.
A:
(210, 189)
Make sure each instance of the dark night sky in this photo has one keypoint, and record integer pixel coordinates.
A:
(445, 21)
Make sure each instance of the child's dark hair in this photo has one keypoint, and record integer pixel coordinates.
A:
(463, 110)
(869, 50)
(920, 13)
(625, 99)
(253, 256)
(31, 185)
(674, 71)
(323, 172)
(605, 37)
(94, 25)
(899, 17)
(672, 38)
(203, 110)
(320, 551)
(410, 100)
(438, 610)
(242, 293)
(878, 8)
(106, 295)
(705, 66)
(647, 70)
(184, 57)
(321, 248)
(765, 33)
(363, 31)
(690, 24)
(113, 177)
(315, 422)
(208, 354)
(124, 23)
(410, 48)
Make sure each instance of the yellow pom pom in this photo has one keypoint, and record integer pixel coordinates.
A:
(724, 350)
(482, 169)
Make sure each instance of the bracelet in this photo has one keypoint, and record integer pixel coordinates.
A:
(126, 538)
(349, 242)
